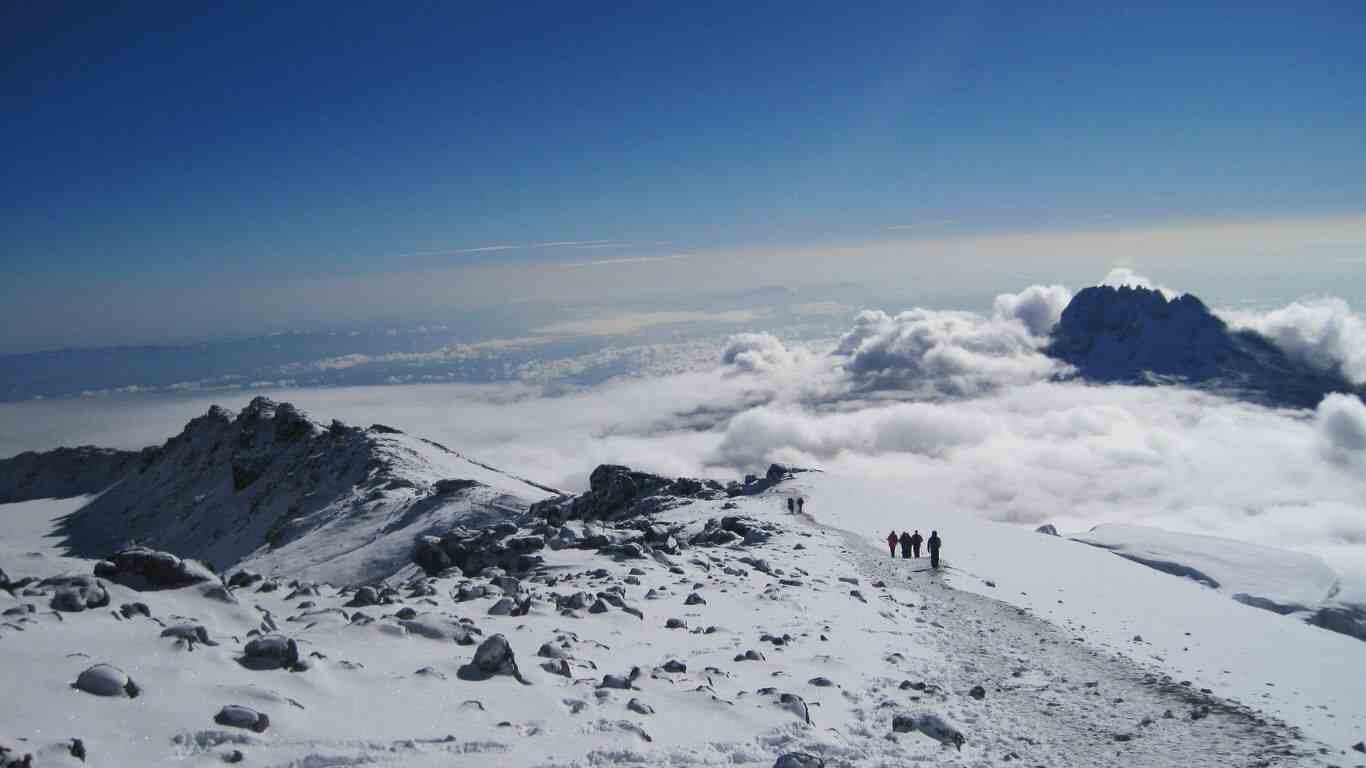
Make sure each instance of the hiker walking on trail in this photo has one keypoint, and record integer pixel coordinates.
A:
(791, 506)
(935, 542)
(891, 542)
(916, 541)
(801, 505)
(905, 545)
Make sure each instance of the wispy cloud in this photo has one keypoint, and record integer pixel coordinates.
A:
(629, 260)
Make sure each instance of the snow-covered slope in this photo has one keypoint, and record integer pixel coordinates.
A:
(1138, 335)
(1306, 675)
(737, 651)
(271, 490)
(1277, 580)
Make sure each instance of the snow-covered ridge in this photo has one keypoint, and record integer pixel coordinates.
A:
(1137, 335)
(273, 490)
(1278, 580)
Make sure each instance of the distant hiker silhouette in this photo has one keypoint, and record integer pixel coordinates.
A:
(905, 545)
(935, 542)
(801, 504)
(791, 505)
(891, 542)
(916, 541)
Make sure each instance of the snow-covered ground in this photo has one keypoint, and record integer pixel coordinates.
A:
(861, 639)
(1310, 677)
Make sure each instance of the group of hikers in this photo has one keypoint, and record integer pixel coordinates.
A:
(910, 545)
(795, 506)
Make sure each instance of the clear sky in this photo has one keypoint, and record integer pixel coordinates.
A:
(173, 144)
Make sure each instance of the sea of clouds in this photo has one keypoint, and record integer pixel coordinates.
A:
(963, 407)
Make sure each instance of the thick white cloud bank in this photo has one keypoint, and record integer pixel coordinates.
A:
(1323, 333)
(961, 408)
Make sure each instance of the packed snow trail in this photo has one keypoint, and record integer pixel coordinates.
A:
(1049, 699)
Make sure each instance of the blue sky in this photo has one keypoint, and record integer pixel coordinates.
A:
(174, 144)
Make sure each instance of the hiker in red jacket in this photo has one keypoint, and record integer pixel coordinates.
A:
(891, 542)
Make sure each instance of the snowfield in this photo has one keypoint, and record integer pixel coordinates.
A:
(802, 636)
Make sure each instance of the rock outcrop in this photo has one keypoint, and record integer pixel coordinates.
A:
(1139, 336)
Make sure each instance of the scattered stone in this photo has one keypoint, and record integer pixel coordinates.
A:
(271, 652)
(675, 624)
(750, 655)
(821, 682)
(931, 725)
(77, 749)
(107, 680)
(364, 597)
(502, 608)
(640, 707)
(675, 666)
(76, 593)
(1047, 530)
(799, 760)
(234, 716)
(796, 705)
(190, 633)
(978, 692)
(493, 657)
(557, 667)
(143, 568)
(694, 599)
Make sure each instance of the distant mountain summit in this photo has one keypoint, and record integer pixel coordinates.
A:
(271, 489)
(1139, 336)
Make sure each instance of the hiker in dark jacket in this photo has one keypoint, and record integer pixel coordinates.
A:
(791, 506)
(891, 542)
(916, 541)
(935, 542)
(905, 545)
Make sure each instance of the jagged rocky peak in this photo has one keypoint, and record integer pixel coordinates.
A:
(616, 492)
(1139, 335)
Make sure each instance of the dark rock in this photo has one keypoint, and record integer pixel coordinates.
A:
(191, 633)
(77, 749)
(978, 692)
(270, 652)
(143, 568)
(106, 680)
(234, 716)
(493, 657)
(675, 666)
(799, 760)
(75, 593)
(244, 578)
(694, 599)
(640, 707)
(129, 610)
(1047, 530)
(821, 682)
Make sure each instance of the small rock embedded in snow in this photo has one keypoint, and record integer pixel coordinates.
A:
(640, 707)
(271, 652)
(796, 705)
(493, 657)
(234, 716)
(821, 682)
(931, 725)
(1360, 746)
(694, 599)
(799, 760)
(1047, 529)
(501, 608)
(107, 680)
(978, 692)
(675, 624)
(675, 666)
(557, 667)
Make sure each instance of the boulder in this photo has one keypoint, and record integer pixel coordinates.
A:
(1047, 530)
(270, 652)
(107, 680)
(142, 568)
(75, 593)
(493, 657)
(234, 716)
(190, 633)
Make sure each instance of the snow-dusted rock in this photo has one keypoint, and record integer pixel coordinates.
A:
(235, 716)
(191, 633)
(493, 657)
(143, 568)
(75, 593)
(106, 680)
(931, 724)
(799, 760)
(270, 652)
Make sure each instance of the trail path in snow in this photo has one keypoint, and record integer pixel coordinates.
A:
(1050, 699)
